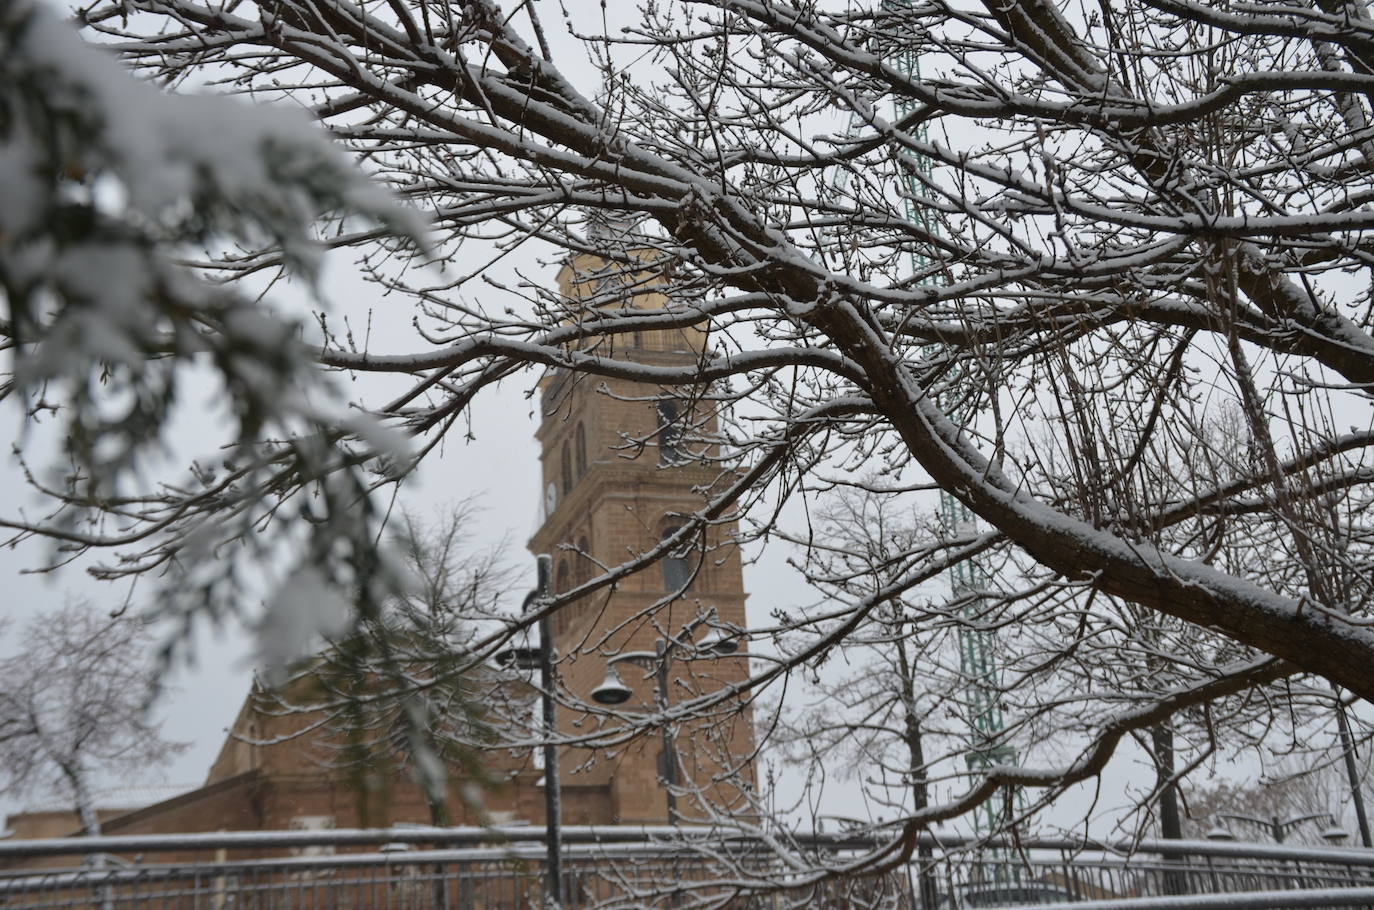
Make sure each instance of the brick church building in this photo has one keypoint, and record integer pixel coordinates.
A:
(624, 465)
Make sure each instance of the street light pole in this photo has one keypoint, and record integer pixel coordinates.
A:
(527, 658)
(1278, 828)
(719, 642)
(669, 749)
(553, 797)
(1351, 772)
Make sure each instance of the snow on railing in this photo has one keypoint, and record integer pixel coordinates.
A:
(661, 835)
(606, 862)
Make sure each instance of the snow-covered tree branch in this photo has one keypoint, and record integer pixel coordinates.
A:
(1101, 274)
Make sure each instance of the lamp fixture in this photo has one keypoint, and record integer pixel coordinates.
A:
(611, 691)
(716, 642)
(1334, 834)
(518, 657)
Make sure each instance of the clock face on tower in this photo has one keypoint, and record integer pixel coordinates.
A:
(550, 499)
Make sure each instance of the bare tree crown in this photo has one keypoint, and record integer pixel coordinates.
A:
(1100, 272)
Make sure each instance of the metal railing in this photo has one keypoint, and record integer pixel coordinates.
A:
(1153, 874)
(484, 869)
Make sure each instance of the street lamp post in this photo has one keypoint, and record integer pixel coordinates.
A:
(1351, 773)
(613, 691)
(543, 657)
(669, 770)
(1278, 828)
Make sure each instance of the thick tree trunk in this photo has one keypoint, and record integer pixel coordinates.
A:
(86, 812)
(920, 791)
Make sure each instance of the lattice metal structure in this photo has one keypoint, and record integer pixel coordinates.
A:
(978, 663)
(968, 579)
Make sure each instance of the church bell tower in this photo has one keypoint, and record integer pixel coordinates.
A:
(625, 466)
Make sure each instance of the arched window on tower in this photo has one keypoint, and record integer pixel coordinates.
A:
(567, 470)
(580, 447)
(669, 431)
(677, 567)
(563, 618)
(584, 561)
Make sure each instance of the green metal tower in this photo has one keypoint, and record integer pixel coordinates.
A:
(968, 579)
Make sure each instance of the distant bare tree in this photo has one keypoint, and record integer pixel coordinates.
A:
(400, 693)
(74, 706)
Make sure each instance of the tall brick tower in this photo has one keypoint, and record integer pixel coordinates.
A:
(625, 464)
